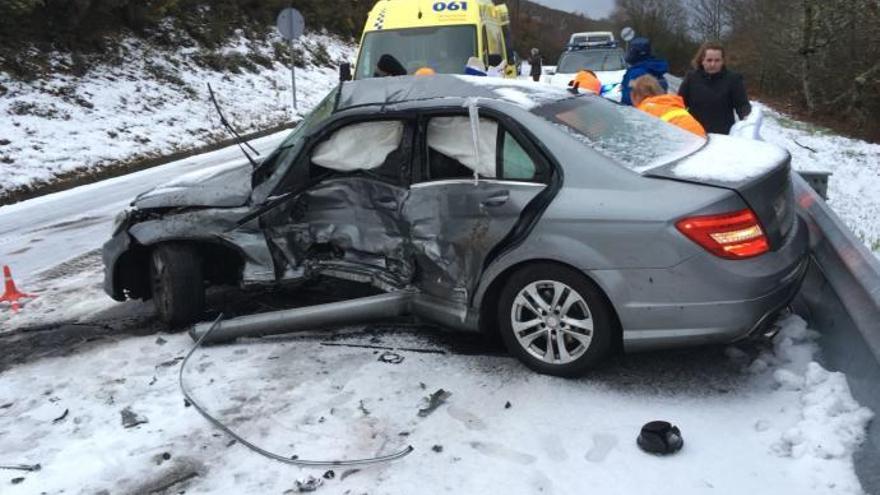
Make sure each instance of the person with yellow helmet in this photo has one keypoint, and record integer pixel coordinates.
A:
(648, 96)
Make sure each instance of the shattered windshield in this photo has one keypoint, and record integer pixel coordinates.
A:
(629, 136)
(594, 60)
(445, 49)
(289, 148)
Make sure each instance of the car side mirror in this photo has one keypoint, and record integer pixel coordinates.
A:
(495, 59)
(344, 72)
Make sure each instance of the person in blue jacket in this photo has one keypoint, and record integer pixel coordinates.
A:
(641, 61)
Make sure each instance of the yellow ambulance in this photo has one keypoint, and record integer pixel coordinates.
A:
(439, 34)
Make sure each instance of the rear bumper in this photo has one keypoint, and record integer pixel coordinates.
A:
(706, 300)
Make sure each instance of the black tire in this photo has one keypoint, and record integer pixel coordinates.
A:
(587, 347)
(178, 283)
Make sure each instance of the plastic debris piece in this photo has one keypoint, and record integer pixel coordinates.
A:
(21, 467)
(390, 357)
(309, 484)
(329, 475)
(347, 473)
(435, 400)
(61, 418)
(130, 419)
(660, 437)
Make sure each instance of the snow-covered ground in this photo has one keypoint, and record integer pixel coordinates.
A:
(854, 186)
(754, 420)
(153, 104)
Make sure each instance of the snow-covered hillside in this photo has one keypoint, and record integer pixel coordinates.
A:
(854, 186)
(153, 103)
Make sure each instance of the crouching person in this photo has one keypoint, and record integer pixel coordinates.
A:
(648, 96)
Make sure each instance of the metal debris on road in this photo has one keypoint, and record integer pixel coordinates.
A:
(435, 400)
(295, 460)
(21, 467)
(130, 419)
(309, 484)
(390, 357)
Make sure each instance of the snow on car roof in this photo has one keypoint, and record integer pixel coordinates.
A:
(390, 90)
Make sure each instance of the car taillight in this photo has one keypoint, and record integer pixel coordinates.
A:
(734, 236)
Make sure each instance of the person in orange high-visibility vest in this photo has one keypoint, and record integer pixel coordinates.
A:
(648, 96)
(586, 79)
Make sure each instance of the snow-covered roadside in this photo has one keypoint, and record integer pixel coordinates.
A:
(854, 187)
(154, 104)
(769, 421)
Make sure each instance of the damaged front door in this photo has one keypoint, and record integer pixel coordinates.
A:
(348, 223)
(466, 202)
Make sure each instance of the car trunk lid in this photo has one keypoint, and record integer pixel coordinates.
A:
(759, 172)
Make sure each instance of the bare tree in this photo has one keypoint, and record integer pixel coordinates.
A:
(710, 19)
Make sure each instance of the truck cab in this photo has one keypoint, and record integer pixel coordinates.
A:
(441, 35)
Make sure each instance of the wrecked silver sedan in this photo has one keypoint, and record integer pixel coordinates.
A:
(569, 224)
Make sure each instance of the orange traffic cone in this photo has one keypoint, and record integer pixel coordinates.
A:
(11, 295)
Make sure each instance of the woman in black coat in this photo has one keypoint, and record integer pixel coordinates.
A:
(712, 93)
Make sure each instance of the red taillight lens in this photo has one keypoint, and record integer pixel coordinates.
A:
(734, 236)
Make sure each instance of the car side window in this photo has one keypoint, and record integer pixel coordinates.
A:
(375, 148)
(450, 152)
(516, 164)
(450, 148)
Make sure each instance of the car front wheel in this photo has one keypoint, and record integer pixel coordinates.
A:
(178, 283)
(555, 320)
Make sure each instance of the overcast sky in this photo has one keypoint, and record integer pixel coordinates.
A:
(596, 9)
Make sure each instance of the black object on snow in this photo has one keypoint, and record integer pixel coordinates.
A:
(435, 400)
(507, 405)
(131, 419)
(390, 357)
(61, 418)
(437, 448)
(309, 484)
(660, 437)
(329, 475)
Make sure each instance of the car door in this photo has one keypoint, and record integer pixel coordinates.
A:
(347, 221)
(462, 204)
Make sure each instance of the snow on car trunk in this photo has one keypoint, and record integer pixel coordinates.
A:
(754, 419)
(759, 172)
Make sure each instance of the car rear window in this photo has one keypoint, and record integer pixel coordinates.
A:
(629, 136)
(594, 60)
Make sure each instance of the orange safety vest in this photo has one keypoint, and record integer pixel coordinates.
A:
(587, 81)
(670, 108)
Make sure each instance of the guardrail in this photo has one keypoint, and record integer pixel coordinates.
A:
(841, 296)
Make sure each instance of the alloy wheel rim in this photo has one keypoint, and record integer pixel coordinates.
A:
(552, 322)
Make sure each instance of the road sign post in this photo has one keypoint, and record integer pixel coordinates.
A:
(291, 25)
(627, 34)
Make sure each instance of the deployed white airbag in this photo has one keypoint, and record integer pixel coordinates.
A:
(361, 146)
(453, 137)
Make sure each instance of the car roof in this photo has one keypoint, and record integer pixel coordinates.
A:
(458, 89)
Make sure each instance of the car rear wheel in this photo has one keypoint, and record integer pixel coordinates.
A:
(178, 283)
(555, 320)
